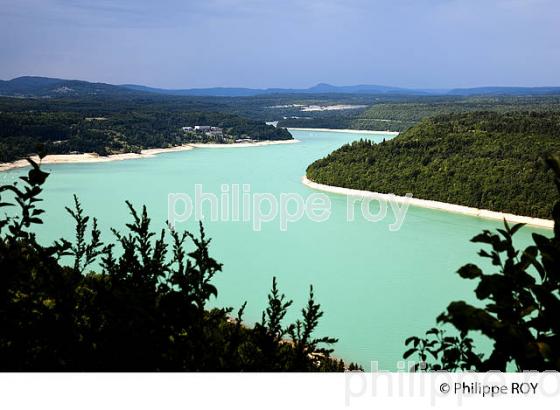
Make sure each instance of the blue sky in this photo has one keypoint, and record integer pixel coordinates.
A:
(284, 43)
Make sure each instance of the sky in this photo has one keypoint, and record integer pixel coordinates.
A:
(284, 43)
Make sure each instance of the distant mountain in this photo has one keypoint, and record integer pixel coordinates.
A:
(211, 92)
(360, 89)
(321, 88)
(55, 87)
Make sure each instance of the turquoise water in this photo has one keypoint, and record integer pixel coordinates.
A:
(376, 287)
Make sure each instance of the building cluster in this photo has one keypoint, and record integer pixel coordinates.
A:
(212, 132)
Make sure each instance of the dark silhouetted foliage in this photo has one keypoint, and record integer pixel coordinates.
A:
(145, 307)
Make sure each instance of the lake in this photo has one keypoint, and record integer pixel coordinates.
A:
(376, 287)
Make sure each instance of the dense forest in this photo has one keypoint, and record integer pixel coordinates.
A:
(136, 303)
(485, 160)
(112, 126)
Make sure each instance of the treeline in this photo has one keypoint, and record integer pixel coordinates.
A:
(388, 115)
(332, 121)
(111, 127)
(142, 308)
(482, 159)
(400, 116)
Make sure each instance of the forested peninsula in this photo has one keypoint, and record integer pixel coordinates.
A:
(485, 160)
(112, 126)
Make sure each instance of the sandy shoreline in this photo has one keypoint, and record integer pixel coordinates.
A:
(146, 153)
(245, 144)
(345, 130)
(440, 206)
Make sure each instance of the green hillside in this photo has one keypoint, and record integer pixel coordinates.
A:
(482, 159)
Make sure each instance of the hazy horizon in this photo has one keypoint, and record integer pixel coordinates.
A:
(439, 44)
(288, 87)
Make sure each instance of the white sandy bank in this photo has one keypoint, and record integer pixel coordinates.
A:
(440, 206)
(345, 130)
(146, 153)
(91, 157)
(245, 144)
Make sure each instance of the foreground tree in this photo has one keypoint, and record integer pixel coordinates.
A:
(522, 307)
(145, 307)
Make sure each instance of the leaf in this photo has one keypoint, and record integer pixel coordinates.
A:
(37, 177)
(470, 271)
(515, 228)
(483, 237)
(541, 241)
(410, 339)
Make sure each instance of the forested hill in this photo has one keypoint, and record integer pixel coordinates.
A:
(111, 126)
(485, 160)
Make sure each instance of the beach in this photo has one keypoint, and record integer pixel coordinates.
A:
(146, 153)
(346, 130)
(424, 203)
(245, 144)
